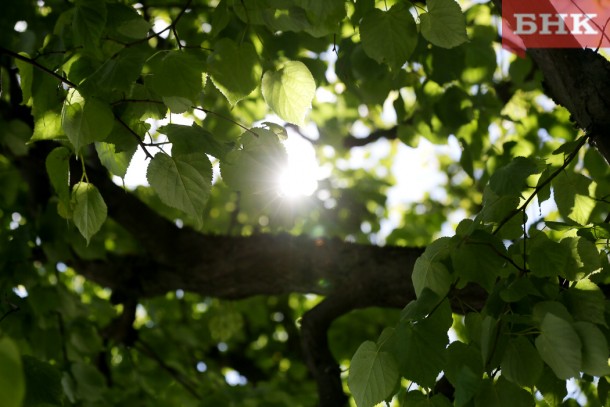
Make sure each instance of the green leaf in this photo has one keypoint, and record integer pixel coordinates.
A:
(418, 309)
(595, 350)
(464, 370)
(488, 335)
(117, 73)
(466, 386)
(422, 353)
(256, 167)
(478, 259)
(372, 375)
(429, 272)
(586, 302)
(454, 108)
(182, 182)
(389, 36)
(583, 258)
(89, 209)
(521, 363)
(47, 103)
(12, 381)
(503, 393)
(177, 104)
(553, 389)
(235, 69)
(89, 22)
(193, 139)
(125, 20)
(116, 163)
(85, 121)
(559, 346)
(553, 307)
(546, 258)
(90, 382)
(26, 76)
(571, 193)
(289, 91)
(43, 383)
(444, 24)
(461, 355)
(324, 16)
(16, 135)
(497, 207)
(58, 169)
(177, 74)
(510, 179)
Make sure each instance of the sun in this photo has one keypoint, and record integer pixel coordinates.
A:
(300, 176)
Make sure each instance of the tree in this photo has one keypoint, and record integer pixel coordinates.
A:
(203, 289)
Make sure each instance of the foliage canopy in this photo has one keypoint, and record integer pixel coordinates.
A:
(208, 287)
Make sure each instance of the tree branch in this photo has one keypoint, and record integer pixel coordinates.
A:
(37, 65)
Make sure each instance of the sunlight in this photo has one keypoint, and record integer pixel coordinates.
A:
(300, 177)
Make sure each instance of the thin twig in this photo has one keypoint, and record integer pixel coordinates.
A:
(37, 65)
(496, 251)
(147, 350)
(171, 27)
(224, 118)
(14, 308)
(547, 181)
(131, 131)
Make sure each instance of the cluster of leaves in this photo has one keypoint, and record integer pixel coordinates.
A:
(97, 78)
(545, 319)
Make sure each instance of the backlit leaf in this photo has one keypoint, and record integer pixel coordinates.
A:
(85, 121)
(583, 258)
(289, 91)
(256, 167)
(89, 213)
(116, 163)
(182, 182)
(571, 193)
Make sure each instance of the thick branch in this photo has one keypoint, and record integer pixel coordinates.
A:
(319, 359)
